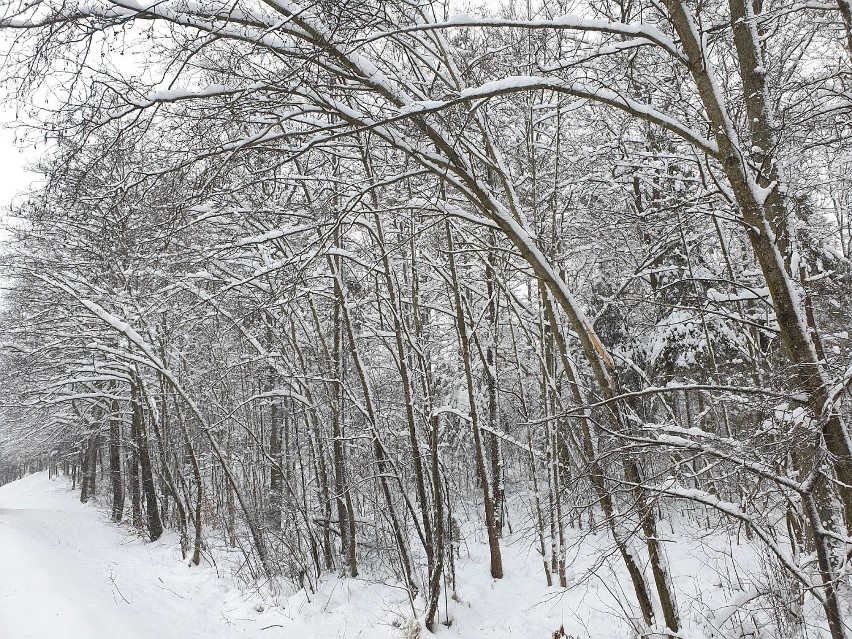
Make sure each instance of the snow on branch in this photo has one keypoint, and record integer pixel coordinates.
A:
(521, 83)
(566, 22)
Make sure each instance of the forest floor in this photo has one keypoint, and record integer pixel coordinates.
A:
(65, 570)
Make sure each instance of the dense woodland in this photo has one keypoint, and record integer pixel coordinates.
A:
(337, 283)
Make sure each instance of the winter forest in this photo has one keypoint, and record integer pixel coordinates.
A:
(519, 304)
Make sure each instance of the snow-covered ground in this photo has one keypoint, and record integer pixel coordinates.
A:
(65, 570)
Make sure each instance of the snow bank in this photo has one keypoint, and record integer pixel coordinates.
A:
(65, 570)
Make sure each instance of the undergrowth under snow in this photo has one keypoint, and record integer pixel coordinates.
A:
(65, 570)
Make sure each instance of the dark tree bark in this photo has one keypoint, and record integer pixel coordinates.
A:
(89, 468)
(492, 386)
(438, 537)
(152, 506)
(115, 462)
(345, 514)
(276, 420)
(845, 8)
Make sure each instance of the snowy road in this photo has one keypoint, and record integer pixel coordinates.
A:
(64, 572)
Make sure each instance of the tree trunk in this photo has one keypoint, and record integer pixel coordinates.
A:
(402, 357)
(378, 449)
(152, 506)
(345, 514)
(597, 476)
(764, 209)
(276, 478)
(115, 462)
(845, 8)
(461, 328)
(88, 469)
(438, 537)
(492, 387)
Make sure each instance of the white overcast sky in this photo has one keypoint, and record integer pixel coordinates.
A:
(14, 179)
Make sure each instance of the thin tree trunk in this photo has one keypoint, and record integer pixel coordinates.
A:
(89, 470)
(345, 514)
(378, 449)
(159, 424)
(152, 506)
(317, 447)
(276, 418)
(132, 472)
(596, 472)
(405, 378)
(492, 388)
(461, 328)
(115, 462)
(438, 537)
(845, 8)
